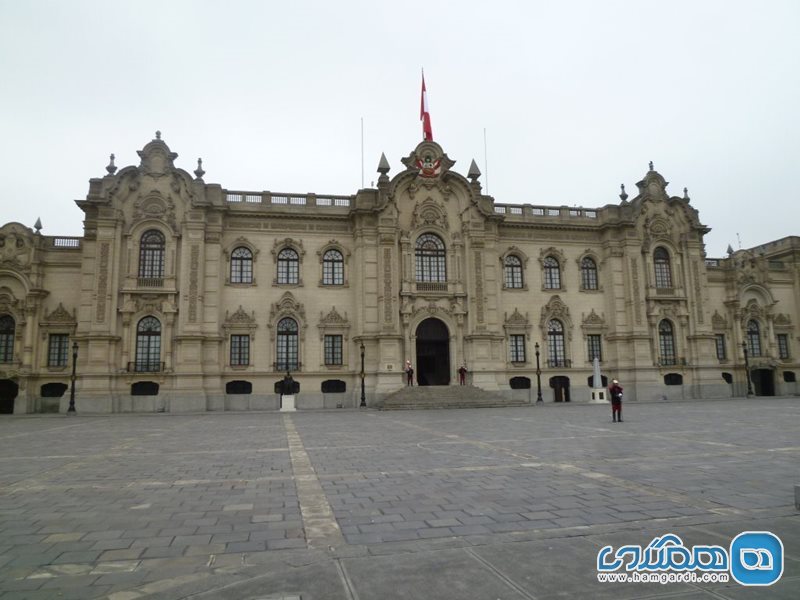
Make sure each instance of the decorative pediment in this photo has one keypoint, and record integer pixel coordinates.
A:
(333, 318)
(279, 245)
(517, 318)
(60, 315)
(783, 321)
(16, 245)
(718, 321)
(555, 309)
(555, 253)
(154, 206)
(157, 159)
(753, 310)
(287, 306)
(593, 320)
(429, 160)
(7, 301)
(428, 213)
(240, 317)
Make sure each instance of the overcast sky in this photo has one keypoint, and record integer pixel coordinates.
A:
(575, 97)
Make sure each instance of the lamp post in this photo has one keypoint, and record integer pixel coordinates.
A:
(71, 408)
(747, 370)
(538, 375)
(363, 396)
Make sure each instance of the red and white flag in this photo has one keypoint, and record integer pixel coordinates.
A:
(424, 114)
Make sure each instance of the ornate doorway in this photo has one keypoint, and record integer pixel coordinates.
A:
(433, 353)
(763, 382)
(560, 385)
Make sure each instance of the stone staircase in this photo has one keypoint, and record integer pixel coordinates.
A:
(444, 396)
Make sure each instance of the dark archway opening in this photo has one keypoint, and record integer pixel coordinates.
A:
(763, 382)
(560, 385)
(8, 392)
(433, 353)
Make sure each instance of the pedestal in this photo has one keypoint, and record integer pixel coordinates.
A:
(287, 403)
(598, 396)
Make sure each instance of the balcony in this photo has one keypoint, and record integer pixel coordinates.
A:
(559, 363)
(291, 366)
(671, 361)
(150, 282)
(431, 286)
(145, 366)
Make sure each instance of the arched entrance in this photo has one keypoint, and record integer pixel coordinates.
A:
(433, 353)
(8, 392)
(560, 385)
(763, 382)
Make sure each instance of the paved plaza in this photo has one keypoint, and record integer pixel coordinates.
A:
(360, 505)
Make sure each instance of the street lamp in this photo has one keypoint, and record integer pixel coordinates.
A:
(747, 370)
(71, 408)
(538, 375)
(363, 397)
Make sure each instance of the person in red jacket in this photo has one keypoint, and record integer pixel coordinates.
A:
(615, 391)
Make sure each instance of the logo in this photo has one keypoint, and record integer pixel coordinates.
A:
(756, 558)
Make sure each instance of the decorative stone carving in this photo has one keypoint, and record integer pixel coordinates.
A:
(102, 281)
(517, 323)
(240, 317)
(718, 322)
(287, 306)
(60, 315)
(333, 323)
(194, 285)
(155, 206)
(429, 160)
(16, 245)
(428, 213)
(555, 309)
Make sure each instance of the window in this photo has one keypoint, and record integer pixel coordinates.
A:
(430, 259)
(519, 383)
(720, 339)
(58, 350)
(148, 345)
(513, 271)
(332, 268)
(287, 345)
(673, 379)
(555, 344)
(144, 388)
(288, 267)
(241, 265)
(594, 344)
(240, 350)
(6, 338)
(333, 386)
(753, 338)
(783, 346)
(588, 274)
(666, 343)
(662, 266)
(333, 349)
(517, 348)
(151, 255)
(238, 387)
(53, 390)
(552, 274)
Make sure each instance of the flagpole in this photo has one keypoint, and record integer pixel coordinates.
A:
(485, 161)
(362, 153)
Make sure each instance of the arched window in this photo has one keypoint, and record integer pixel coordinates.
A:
(430, 255)
(552, 274)
(332, 268)
(288, 267)
(512, 266)
(151, 255)
(148, 345)
(662, 266)
(7, 327)
(241, 265)
(556, 354)
(588, 274)
(286, 352)
(753, 338)
(666, 344)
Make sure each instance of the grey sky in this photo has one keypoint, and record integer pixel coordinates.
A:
(576, 98)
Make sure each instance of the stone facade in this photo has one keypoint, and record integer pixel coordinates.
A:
(184, 296)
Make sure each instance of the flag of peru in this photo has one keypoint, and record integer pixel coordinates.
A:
(424, 114)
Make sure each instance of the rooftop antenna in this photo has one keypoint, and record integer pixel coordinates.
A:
(739, 240)
(485, 162)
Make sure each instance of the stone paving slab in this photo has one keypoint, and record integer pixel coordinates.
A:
(493, 503)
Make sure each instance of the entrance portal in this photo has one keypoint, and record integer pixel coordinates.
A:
(763, 382)
(8, 392)
(433, 353)
(560, 385)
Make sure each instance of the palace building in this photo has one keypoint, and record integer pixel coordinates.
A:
(182, 295)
